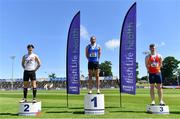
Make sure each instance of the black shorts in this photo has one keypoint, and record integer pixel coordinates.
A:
(155, 78)
(29, 75)
(93, 65)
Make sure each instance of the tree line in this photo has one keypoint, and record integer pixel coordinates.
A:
(170, 71)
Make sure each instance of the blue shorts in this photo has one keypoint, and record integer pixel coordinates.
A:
(155, 78)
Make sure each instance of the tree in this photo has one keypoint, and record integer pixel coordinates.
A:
(177, 73)
(105, 68)
(170, 66)
(137, 72)
(52, 76)
(144, 78)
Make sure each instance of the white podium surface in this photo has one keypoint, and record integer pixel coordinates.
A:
(29, 109)
(94, 104)
(158, 109)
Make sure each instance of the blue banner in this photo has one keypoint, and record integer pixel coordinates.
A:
(72, 59)
(127, 60)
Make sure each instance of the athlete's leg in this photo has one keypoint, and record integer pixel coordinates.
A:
(25, 84)
(33, 84)
(90, 80)
(25, 90)
(160, 93)
(97, 80)
(152, 85)
(152, 93)
(159, 88)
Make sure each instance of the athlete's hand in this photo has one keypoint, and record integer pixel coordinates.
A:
(35, 70)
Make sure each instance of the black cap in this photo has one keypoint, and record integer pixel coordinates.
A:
(30, 45)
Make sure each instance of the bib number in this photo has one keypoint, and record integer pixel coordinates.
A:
(92, 54)
(154, 64)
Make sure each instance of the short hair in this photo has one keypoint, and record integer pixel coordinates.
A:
(92, 37)
(30, 46)
(151, 45)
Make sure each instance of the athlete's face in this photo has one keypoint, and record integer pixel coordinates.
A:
(93, 40)
(152, 49)
(30, 50)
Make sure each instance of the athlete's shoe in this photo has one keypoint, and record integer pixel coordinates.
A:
(153, 102)
(90, 92)
(162, 103)
(23, 100)
(34, 100)
(98, 91)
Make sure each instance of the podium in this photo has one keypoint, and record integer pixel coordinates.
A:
(94, 104)
(158, 109)
(29, 109)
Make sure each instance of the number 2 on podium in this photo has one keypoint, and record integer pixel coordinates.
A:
(95, 101)
(26, 108)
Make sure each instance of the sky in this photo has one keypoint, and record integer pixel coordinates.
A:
(45, 24)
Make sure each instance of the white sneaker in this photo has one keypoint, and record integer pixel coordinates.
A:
(23, 100)
(98, 91)
(161, 103)
(90, 92)
(153, 102)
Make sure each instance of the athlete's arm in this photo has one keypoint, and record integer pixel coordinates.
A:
(38, 63)
(87, 54)
(23, 62)
(99, 52)
(146, 62)
(160, 63)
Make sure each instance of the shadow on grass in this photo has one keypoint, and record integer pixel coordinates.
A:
(59, 112)
(64, 107)
(110, 107)
(68, 112)
(54, 107)
(76, 108)
(78, 112)
(127, 111)
(174, 112)
(10, 114)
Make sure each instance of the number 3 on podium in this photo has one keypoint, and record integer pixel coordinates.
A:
(26, 108)
(95, 101)
(161, 109)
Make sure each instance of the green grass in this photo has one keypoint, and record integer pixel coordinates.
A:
(54, 104)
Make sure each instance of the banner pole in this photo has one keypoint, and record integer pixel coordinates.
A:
(120, 95)
(120, 100)
(67, 99)
(67, 96)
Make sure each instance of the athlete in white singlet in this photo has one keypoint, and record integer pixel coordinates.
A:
(30, 64)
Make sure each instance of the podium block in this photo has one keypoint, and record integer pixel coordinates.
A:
(158, 109)
(94, 104)
(29, 109)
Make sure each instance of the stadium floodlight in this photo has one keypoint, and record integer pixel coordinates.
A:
(12, 78)
(146, 52)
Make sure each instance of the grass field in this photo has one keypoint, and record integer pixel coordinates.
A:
(54, 104)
